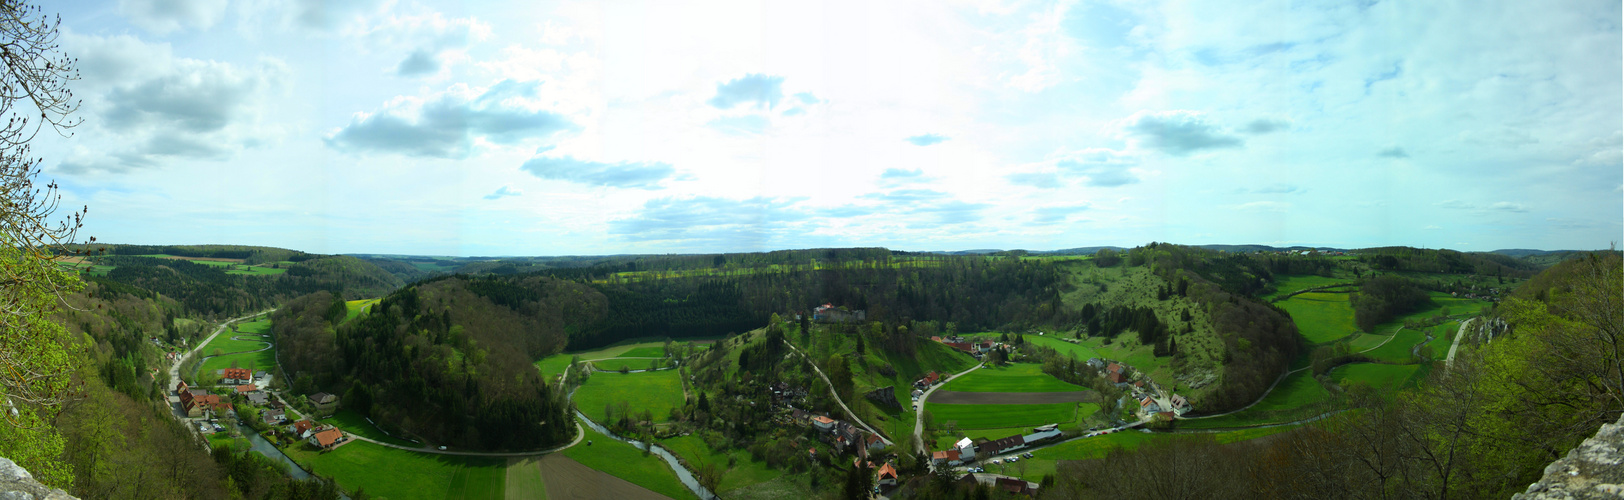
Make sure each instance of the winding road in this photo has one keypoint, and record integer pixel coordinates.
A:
(919, 413)
(1450, 360)
(174, 369)
(842, 403)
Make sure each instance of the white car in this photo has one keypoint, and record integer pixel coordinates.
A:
(442, 448)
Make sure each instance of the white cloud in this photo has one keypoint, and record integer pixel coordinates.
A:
(167, 16)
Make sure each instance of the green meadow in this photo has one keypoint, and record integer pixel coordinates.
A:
(402, 475)
(745, 471)
(625, 461)
(1293, 399)
(1015, 377)
(658, 392)
(1005, 416)
(1321, 317)
(1385, 378)
(262, 360)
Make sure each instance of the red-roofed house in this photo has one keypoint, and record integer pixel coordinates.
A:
(326, 438)
(823, 423)
(237, 376)
(1148, 405)
(1016, 486)
(246, 388)
(887, 476)
(949, 457)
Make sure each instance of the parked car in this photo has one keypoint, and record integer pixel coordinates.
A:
(1014, 459)
(1027, 454)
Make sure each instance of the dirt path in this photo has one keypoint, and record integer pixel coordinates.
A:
(849, 413)
(1015, 398)
(919, 414)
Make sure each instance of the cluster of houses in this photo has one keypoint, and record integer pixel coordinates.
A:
(842, 436)
(321, 436)
(1147, 392)
(969, 450)
(198, 403)
(972, 347)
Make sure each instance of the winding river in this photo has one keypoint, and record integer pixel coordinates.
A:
(683, 474)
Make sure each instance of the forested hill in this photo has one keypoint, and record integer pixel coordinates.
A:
(211, 290)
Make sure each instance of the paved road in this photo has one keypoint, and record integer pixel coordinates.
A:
(1450, 361)
(919, 414)
(831, 385)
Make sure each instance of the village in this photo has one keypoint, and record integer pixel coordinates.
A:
(242, 402)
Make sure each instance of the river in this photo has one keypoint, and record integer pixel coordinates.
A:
(266, 448)
(683, 474)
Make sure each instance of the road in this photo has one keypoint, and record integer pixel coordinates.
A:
(1450, 360)
(849, 414)
(919, 413)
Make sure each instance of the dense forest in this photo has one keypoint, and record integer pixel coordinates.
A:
(210, 290)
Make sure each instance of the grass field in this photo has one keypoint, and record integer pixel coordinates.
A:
(555, 364)
(1386, 378)
(1288, 284)
(744, 472)
(1079, 351)
(1017, 377)
(614, 364)
(1321, 317)
(1004, 416)
(1044, 460)
(1398, 351)
(354, 308)
(644, 352)
(1443, 336)
(524, 480)
(262, 360)
(354, 423)
(1365, 341)
(627, 462)
(658, 392)
(402, 475)
(256, 271)
(1291, 400)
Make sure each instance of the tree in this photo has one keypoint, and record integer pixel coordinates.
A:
(36, 354)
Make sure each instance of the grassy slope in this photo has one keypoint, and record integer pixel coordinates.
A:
(1386, 378)
(657, 392)
(627, 462)
(403, 475)
(354, 423)
(1016, 377)
(1321, 317)
(1289, 401)
(1002, 416)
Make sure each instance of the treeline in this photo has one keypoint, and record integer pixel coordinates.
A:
(1382, 298)
(249, 254)
(1445, 261)
(210, 290)
(1485, 427)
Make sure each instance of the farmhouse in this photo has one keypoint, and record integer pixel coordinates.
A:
(237, 376)
(327, 438)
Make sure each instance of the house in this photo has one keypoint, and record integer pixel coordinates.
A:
(874, 443)
(303, 426)
(327, 438)
(1165, 416)
(799, 416)
(257, 398)
(273, 417)
(949, 457)
(1004, 445)
(1148, 405)
(1016, 486)
(962, 346)
(823, 423)
(325, 403)
(984, 346)
(181, 387)
(237, 376)
(246, 388)
(967, 449)
(1180, 404)
(887, 476)
(1096, 363)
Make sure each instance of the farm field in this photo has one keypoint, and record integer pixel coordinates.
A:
(1004, 416)
(1016, 377)
(524, 480)
(1290, 400)
(629, 463)
(555, 364)
(1321, 317)
(945, 440)
(1288, 284)
(400, 474)
(745, 471)
(658, 392)
(1385, 378)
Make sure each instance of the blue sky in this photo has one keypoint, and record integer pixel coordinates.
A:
(551, 128)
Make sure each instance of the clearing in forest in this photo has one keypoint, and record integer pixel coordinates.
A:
(656, 392)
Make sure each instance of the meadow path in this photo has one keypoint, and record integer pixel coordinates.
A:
(832, 392)
(919, 413)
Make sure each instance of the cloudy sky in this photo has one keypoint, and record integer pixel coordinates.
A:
(550, 128)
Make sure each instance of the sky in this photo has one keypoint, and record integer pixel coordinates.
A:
(585, 128)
